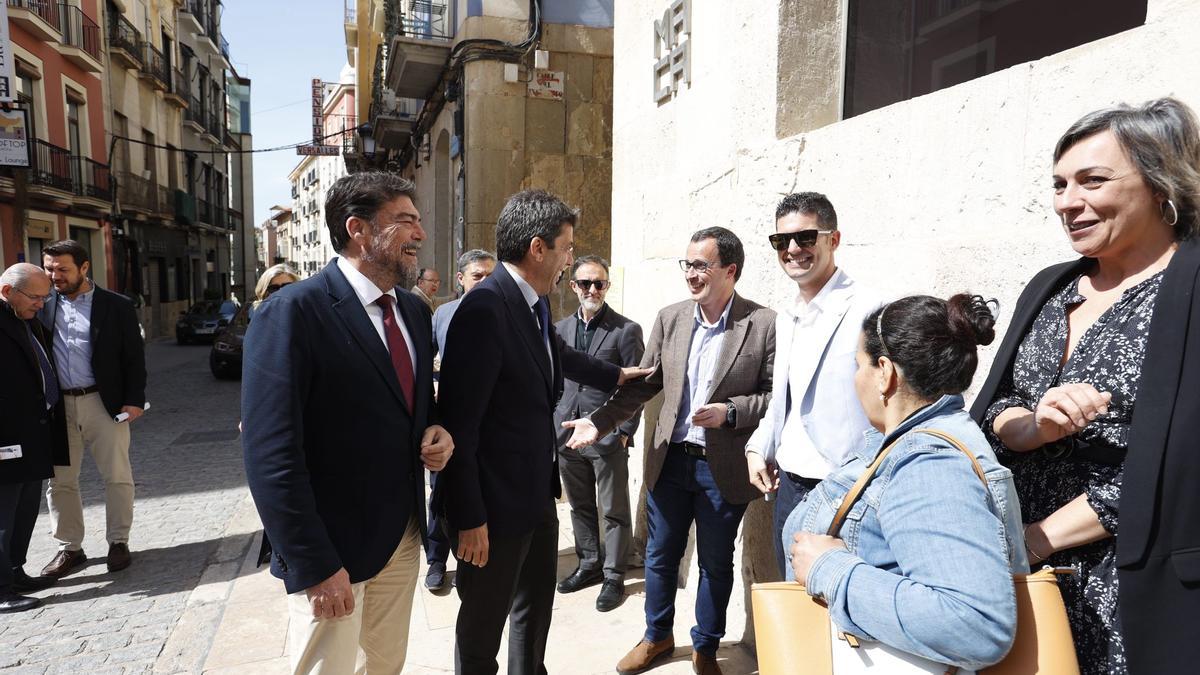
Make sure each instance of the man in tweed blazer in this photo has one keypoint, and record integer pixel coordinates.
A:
(713, 356)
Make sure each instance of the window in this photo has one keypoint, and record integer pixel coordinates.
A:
(122, 147)
(901, 49)
(74, 137)
(25, 96)
(150, 163)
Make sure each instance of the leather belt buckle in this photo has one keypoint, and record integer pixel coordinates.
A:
(694, 450)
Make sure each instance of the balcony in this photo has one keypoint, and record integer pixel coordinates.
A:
(136, 193)
(214, 131)
(51, 167)
(154, 67)
(204, 211)
(40, 18)
(185, 208)
(351, 28)
(124, 43)
(418, 51)
(392, 121)
(80, 38)
(234, 220)
(200, 18)
(91, 179)
(178, 91)
(195, 117)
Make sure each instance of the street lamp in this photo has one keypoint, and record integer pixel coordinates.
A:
(366, 134)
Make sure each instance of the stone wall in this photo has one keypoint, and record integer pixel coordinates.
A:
(942, 193)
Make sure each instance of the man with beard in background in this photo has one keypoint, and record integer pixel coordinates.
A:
(337, 403)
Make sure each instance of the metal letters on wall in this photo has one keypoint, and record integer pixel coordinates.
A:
(672, 50)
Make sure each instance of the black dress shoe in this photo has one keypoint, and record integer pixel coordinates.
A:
(435, 578)
(118, 557)
(23, 583)
(612, 594)
(579, 580)
(13, 602)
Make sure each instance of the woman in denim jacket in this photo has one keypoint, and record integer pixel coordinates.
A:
(923, 563)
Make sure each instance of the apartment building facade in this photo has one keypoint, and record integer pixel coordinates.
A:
(59, 69)
(477, 100)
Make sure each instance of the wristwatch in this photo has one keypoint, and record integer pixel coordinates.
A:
(730, 415)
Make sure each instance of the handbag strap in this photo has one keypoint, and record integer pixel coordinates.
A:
(860, 485)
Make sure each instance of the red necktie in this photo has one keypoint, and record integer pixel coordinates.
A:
(401, 361)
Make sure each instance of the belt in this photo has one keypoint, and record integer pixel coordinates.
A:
(797, 479)
(690, 449)
(81, 391)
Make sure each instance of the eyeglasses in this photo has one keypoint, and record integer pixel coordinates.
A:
(586, 284)
(699, 265)
(803, 238)
(40, 298)
(274, 287)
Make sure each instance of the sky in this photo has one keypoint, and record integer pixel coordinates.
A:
(281, 45)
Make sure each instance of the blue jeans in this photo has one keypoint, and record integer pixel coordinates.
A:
(792, 490)
(685, 492)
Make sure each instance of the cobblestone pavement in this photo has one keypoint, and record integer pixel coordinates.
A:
(160, 614)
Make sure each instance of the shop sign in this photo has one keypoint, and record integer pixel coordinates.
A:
(14, 138)
(7, 95)
(547, 84)
(39, 229)
(672, 50)
(320, 150)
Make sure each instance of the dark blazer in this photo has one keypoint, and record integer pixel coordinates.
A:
(742, 377)
(332, 453)
(497, 395)
(1158, 540)
(118, 353)
(41, 433)
(617, 340)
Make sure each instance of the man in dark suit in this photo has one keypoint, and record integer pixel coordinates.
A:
(101, 365)
(715, 354)
(599, 472)
(337, 398)
(502, 372)
(32, 432)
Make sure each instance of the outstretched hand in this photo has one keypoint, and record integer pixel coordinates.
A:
(633, 373)
(585, 433)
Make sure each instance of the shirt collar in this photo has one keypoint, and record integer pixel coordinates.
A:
(527, 291)
(595, 319)
(818, 303)
(720, 322)
(85, 298)
(364, 288)
(874, 440)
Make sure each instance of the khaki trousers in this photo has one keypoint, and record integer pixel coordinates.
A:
(373, 640)
(88, 423)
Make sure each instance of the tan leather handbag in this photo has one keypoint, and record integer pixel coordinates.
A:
(793, 629)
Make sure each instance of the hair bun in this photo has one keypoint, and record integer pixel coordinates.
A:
(972, 318)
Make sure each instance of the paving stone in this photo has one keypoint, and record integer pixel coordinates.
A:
(85, 663)
(53, 651)
(135, 654)
(107, 643)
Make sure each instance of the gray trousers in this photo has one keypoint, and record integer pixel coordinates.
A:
(593, 485)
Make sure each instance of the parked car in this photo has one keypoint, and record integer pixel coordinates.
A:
(225, 359)
(204, 319)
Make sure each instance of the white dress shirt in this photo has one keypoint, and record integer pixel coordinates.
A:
(531, 298)
(813, 423)
(368, 293)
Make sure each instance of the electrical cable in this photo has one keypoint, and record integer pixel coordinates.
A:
(277, 148)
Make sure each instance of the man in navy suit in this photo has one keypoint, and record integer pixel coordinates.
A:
(502, 372)
(337, 398)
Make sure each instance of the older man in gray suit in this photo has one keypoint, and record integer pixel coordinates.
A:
(714, 356)
(599, 472)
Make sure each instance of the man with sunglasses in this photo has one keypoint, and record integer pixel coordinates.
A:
(599, 472)
(713, 355)
(814, 420)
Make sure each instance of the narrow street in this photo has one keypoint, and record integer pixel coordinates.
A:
(189, 480)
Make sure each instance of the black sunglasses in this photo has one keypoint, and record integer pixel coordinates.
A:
(803, 238)
(586, 284)
(274, 287)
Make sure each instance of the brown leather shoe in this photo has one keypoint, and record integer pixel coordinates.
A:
(703, 664)
(118, 557)
(64, 563)
(644, 655)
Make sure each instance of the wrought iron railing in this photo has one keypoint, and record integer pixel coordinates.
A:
(351, 11)
(137, 192)
(51, 166)
(180, 86)
(425, 19)
(154, 65)
(91, 179)
(196, 113)
(122, 35)
(234, 221)
(203, 211)
(78, 30)
(48, 10)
